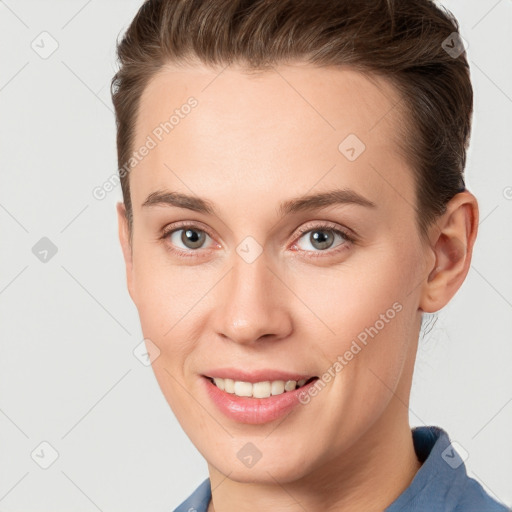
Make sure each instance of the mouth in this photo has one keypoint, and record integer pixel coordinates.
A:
(263, 389)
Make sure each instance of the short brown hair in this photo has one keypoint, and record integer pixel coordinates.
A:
(402, 40)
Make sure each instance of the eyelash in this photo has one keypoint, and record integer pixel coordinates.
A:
(179, 227)
(349, 238)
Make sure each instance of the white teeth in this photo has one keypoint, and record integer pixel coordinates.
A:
(290, 385)
(258, 389)
(277, 387)
(261, 390)
(229, 385)
(220, 383)
(243, 388)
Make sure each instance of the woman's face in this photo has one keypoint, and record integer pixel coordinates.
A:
(247, 275)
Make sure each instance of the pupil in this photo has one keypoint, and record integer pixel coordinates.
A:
(192, 238)
(321, 239)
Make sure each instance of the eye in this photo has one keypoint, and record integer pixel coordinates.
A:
(321, 238)
(187, 238)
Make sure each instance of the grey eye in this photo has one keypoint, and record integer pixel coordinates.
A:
(189, 237)
(321, 239)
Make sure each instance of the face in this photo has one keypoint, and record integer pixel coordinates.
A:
(250, 278)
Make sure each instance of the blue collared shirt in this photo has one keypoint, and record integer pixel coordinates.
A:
(441, 484)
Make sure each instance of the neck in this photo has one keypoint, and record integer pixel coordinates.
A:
(369, 477)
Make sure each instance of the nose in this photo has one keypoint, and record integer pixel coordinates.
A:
(253, 303)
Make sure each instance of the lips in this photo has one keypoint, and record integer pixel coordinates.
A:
(254, 410)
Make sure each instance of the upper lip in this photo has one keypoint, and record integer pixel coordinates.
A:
(253, 376)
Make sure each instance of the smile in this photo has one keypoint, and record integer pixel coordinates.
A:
(262, 389)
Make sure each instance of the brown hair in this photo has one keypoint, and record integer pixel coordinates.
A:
(402, 40)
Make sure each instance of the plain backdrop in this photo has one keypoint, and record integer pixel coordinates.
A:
(68, 375)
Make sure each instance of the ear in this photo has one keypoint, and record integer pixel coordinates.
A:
(126, 246)
(451, 238)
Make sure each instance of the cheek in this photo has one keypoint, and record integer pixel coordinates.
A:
(355, 294)
(371, 316)
(168, 299)
(165, 294)
(368, 312)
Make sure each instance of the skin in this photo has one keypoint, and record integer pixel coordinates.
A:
(254, 141)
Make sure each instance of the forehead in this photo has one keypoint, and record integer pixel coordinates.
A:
(331, 98)
(283, 130)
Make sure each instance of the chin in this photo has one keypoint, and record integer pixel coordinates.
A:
(266, 470)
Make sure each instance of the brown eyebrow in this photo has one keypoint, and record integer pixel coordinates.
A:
(163, 198)
(322, 200)
(311, 202)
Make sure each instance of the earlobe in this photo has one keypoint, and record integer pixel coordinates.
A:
(124, 239)
(452, 240)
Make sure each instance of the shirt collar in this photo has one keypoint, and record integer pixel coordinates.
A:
(435, 486)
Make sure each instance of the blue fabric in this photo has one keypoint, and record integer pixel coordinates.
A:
(441, 485)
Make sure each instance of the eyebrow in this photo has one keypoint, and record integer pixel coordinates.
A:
(309, 202)
(324, 199)
(165, 198)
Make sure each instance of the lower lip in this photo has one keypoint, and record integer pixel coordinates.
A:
(254, 410)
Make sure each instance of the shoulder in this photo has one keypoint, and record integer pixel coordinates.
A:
(474, 498)
(442, 482)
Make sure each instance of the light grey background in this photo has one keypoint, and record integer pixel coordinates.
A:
(68, 327)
